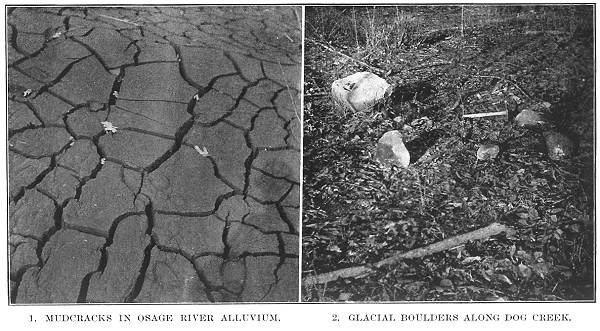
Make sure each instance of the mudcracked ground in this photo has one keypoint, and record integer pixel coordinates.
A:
(189, 191)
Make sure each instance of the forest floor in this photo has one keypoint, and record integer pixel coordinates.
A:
(446, 61)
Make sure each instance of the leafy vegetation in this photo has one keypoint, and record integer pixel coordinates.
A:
(446, 61)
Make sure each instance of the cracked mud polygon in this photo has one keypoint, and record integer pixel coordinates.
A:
(153, 154)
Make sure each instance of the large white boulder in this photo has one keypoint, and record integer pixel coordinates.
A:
(360, 91)
(391, 150)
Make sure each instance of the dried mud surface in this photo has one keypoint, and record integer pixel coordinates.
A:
(195, 195)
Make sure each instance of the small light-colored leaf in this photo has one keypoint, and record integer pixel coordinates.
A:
(334, 248)
(27, 92)
(541, 269)
(486, 275)
(203, 151)
(471, 259)
(109, 127)
(503, 278)
(525, 271)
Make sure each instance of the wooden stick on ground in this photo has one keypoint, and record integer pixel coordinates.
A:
(495, 113)
(361, 271)
(331, 49)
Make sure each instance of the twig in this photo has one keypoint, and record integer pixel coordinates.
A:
(331, 49)
(118, 19)
(494, 113)
(316, 95)
(364, 270)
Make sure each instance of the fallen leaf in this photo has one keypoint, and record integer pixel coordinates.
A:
(334, 248)
(512, 251)
(541, 269)
(203, 151)
(525, 271)
(109, 127)
(503, 278)
(486, 275)
(471, 259)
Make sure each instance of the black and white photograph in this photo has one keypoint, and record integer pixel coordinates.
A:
(448, 153)
(280, 165)
(153, 153)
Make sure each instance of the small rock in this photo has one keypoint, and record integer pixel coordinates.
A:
(398, 119)
(530, 119)
(494, 298)
(445, 282)
(559, 146)
(487, 152)
(391, 150)
(360, 91)
(344, 296)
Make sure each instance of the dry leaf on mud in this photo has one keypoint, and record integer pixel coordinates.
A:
(203, 151)
(109, 127)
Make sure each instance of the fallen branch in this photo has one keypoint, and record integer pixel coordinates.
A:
(316, 95)
(364, 270)
(118, 19)
(494, 113)
(331, 49)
